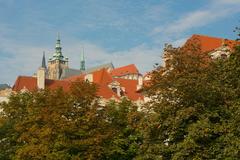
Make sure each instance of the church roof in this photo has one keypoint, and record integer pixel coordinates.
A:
(99, 67)
(69, 72)
(129, 69)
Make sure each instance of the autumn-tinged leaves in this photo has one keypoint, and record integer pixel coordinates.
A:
(195, 103)
(59, 125)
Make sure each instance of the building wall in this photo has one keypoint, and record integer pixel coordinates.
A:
(4, 94)
(129, 76)
(55, 68)
(3, 99)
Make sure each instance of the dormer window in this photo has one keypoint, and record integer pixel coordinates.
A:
(121, 93)
(116, 88)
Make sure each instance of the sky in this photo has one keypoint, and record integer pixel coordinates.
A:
(118, 31)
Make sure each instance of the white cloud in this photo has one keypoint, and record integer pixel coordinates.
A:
(217, 9)
(143, 56)
(179, 42)
(227, 1)
(17, 59)
(157, 12)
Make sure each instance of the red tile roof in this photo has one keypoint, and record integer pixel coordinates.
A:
(30, 83)
(101, 77)
(75, 78)
(105, 92)
(208, 43)
(130, 88)
(129, 69)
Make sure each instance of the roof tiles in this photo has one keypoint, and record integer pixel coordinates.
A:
(208, 43)
(101, 78)
(129, 69)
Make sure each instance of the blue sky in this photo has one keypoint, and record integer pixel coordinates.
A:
(118, 31)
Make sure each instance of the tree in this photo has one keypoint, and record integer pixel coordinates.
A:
(124, 119)
(53, 124)
(193, 108)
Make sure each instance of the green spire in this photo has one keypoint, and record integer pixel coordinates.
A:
(82, 61)
(57, 55)
(58, 48)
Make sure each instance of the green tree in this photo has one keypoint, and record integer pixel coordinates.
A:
(14, 112)
(53, 124)
(194, 107)
(124, 119)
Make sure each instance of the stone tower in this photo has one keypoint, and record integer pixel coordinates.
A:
(57, 63)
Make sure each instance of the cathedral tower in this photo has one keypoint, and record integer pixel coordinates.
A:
(57, 63)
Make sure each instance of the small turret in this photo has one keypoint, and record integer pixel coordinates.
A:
(44, 61)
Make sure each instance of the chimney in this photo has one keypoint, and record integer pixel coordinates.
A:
(89, 77)
(41, 78)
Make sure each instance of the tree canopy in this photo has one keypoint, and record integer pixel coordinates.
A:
(194, 108)
(58, 125)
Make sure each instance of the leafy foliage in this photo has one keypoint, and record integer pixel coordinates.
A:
(126, 137)
(58, 125)
(194, 108)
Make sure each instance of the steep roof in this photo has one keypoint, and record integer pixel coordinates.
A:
(130, 88)
(208, 43)
(100, 77)
(75, 78)
(99, 67)
(22, 82)
(70, 72)
(129, 69)
(30, 83)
